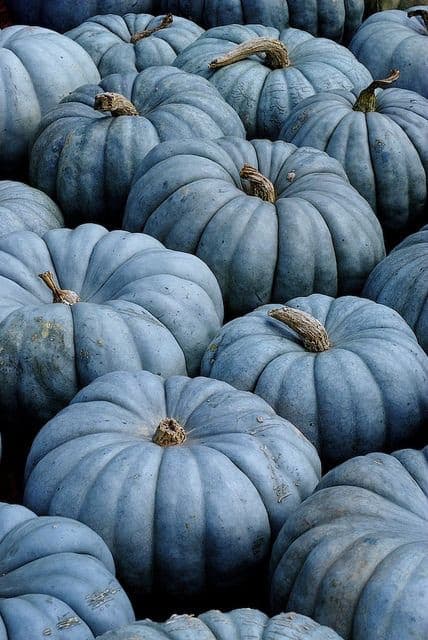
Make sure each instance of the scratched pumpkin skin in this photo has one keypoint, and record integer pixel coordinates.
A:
(56, 579)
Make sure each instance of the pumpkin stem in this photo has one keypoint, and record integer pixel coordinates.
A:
(140, 35)
(258, 184)
(366, 101)
(169, 433)
(117, 104)
(423, 13)
(312, 332)
(59, 295)
(276, 54)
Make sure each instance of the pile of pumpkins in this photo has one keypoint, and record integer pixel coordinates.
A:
(214, 320)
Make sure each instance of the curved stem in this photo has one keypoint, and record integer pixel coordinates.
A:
(116, 103)
(276, 54)
(423, 13)
(366, 101)
(140, 35)
(59, 295)
(312, 332)
(259, 185)
(169, 433)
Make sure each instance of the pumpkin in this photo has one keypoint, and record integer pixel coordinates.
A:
(57, 579)
(381, 142)
(335, 19)
(239, 624)
(38, 68)
(134, 42)
(62, 15)
(186, 480)
(88, 148)
(22, 207)
(396, 40)
(263, 90)
(354, 555)
(77, 304)
(400, 281)
(258, 214)
(347, 372)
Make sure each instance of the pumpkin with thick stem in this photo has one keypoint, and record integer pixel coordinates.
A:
(89, 147)
(347, 372)
(263, 73)
(260, 216)
(396, 40)
(187, 481)
(135, 41)
(25, 208)
(380, 138)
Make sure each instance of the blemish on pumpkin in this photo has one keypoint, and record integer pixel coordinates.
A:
(281, 492)
(257, 545)
(213, 347)
(99, 598)
(67, 623)
(260, 419)
(47, 631)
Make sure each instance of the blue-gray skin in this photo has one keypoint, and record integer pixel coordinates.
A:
(142, 307)
(366, 392)
(263, 97)
(400, 281)
(62, 15)
(335, 19)
(57, 579)
(354, 555)
(384, 152)
(393, 40)
(319, 235)
(37, 69)
(86, 159)
(109, 41)
(188, 521)
(25, 208)
(239, 624)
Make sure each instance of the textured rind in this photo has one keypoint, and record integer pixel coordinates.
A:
(25, 208)
(404, 45)
(56, 574)
(354, 555)
(183, 522)
(107, 39)
(86, 160)
(239, 624)
(263, 97)
(319, 235)
(400, 281)
(142, 306)
(384, 152)
(38, 68)
(366, 393)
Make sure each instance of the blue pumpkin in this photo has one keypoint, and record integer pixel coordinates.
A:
(134, 42)
(38, 68)
(347, 372)
(186, 480)
(264, 73)
(77, 304)
(25, 208)
(88, 148)
(57, 579)
(354, 556)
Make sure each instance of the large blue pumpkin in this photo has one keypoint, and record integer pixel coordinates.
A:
(38, 68)
(263, 89)
(62, 15)
(135, 41)
(381, 141)
(347, 372)
(107, 301)
(57, 579)
(260, 216)
(239, 624)
(186, 480)
(401, 281)
(22, 207)
(354, 556)
(89, 147)
(395, 40)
